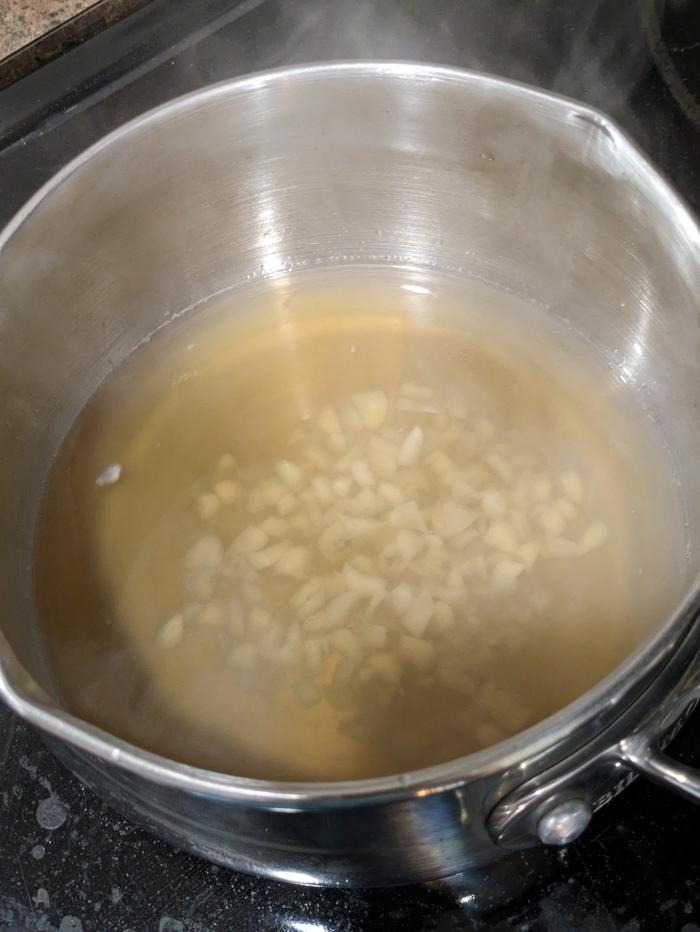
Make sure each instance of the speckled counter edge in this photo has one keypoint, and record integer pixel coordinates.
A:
(64, 37)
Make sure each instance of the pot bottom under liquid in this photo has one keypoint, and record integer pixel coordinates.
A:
(351, 522)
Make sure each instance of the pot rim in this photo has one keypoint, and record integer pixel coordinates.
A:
(607, 698)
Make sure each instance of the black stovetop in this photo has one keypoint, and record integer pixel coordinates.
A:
(67, 862)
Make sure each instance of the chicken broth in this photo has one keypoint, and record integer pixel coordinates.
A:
(348, 523)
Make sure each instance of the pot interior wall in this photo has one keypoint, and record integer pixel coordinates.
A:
(534, 196)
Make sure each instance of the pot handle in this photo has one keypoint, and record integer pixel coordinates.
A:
(555, 806)
(642, 754)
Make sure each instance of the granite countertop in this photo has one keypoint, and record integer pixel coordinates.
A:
(32, 32)
(23, 21)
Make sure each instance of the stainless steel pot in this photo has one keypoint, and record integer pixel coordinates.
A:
(370, 163)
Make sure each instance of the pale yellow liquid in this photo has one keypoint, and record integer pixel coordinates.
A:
(247, 376)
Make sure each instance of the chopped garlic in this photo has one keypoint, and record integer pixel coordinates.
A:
(329, 422)
(110, 475)
(391, 493)
(212, 614)
(374, 636)
(275, 527)
(505, 573)
(345, 641)
(408, 516)
(323, 490)
(417, 616)
(386, 667)
(383, 457)
(494, 503)
(372, 408)
(294, 563)
(502, 536)
(228, 491)
(291, 474)
(362, 582)
(335, 613)
(286, 504)
(378, 551)
(170, 634)
(572, 484)
(593, 537)
(262, 559)
(361, 473)
(449, 519)
(411, 447)
(226, 462)
(417, 652)
(250, 540)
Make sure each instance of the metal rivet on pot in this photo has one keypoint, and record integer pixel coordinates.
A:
(564, 822)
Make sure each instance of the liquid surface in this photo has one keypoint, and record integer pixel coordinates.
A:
(351, 523)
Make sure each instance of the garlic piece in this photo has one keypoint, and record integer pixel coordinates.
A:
(291, 474)
(417, 617)
(528, 553)
(294, 562)
(443, 619)
(391, 493)
(572, 484)
(383, 457)
(400, 598)
(212, 614)
(323, 490)
(361, 582)
(385, 667)
(411, 447)
(263, 559)
(275, 527)
(329, 422)
(372, 408)
(561, 547)
(552, 522)
(374, 636)
(226, 462)
(206, 553)
(345, 641)
(593, 537)
(335, 613)
(286, 504)
(250, 540)
(361, 473)
(341, 486)
(408, 516)
(109, 475)
(449, 519)
(505, 573)
(228, 491)
(494, 503)
(417, 652)
(502, 536)
(170, 634)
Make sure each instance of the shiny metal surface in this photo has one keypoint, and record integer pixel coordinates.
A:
(364, 163)
(607, 764)
(642, 754)
(564, 822)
